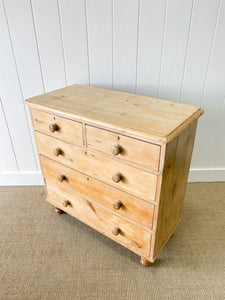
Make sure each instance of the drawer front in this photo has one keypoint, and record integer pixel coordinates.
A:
(123, 147)
(138, 182)
(58, 127)
(129, 235)
(124, 204)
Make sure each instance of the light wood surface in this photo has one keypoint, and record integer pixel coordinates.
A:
(132, 208)
(138, 182)
(177, 162)
(68, 130)
(129, 149)
(155, 118)
(130, 235)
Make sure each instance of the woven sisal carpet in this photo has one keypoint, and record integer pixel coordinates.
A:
(47, 256)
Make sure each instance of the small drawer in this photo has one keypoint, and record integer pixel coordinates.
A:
(130, 179)
(58, 127)
(113, 226)
(124, 204)
(123, 147)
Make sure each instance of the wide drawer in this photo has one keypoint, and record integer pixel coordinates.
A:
(138, 182)
(58, 127)
(124, 204)
(125, 233)
(123, 147)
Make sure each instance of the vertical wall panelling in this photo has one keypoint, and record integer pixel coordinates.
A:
(199, 50)
(25, 47)
(210, 133)
(151, 28)
(125, 39)
(26, 53)
(177, 26)
(74, 37)
(12, 101)
(47, 24)
(7, 156)
(99, 28)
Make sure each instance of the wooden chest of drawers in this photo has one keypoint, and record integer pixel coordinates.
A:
(118, 162)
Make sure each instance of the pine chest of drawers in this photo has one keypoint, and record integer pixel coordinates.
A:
(118, 162)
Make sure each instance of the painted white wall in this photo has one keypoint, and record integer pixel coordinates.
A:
(171, 49)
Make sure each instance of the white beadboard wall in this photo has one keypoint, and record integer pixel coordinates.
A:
(171, 49)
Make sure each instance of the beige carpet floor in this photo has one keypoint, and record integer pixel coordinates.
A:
(49, 256)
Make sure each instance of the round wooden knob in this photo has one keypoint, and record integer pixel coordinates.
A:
(117, 177)
(53, 127)
(66, 203)
(116, 230)
(117, 204)
(116, 149)
(61, 177)
(58, 211)
(57, 151)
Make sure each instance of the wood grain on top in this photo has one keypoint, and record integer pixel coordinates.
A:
(155, 118)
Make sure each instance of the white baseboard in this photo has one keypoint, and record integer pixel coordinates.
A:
(206, 175)
(15, 179)
(195, 175)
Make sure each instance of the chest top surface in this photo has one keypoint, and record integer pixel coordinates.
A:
(154, 118)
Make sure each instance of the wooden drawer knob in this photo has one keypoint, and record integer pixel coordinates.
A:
(116, 230)
(58, 211)
(61, 177)
(117, 204)
(66, 203)
(117, 177)
(53, 127)
(116, 149)
(57, 151)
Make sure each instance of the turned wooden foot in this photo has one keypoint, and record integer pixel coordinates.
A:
(145, 262)
(58, 211)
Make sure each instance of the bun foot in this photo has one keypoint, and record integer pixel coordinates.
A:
(145, 262)
(58, 211)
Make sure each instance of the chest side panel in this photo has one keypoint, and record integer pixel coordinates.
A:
(175, 174)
